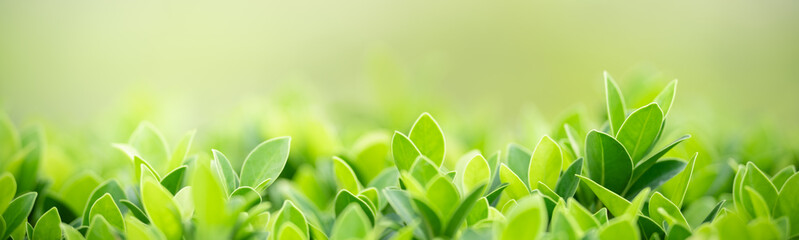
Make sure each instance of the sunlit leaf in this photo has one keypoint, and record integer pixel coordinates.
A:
(545, 163)
(404, 151)
(345, 176)
(162, 209)
(428, 137)
(658, 201)
(528, 220)
(48, 227)
(265, 161)
(615, 104)
(615, 203)
(666, 97)
(351, 224)
(106, 207)
(640, 130)
(476, 172)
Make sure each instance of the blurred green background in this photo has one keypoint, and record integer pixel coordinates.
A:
(69, 61)
(211, 65)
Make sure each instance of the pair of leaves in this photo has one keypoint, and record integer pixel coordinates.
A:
(426, 138)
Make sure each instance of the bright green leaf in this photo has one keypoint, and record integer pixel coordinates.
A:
(106, 207)
(615, 104)
(640, 130)
(404, 151)
(48, 227)
(528, 220)
(476, 172)
(162, 209)
(345, 176)
(519, 161)
(658, 201)
(351, 224)
(265, 161)
(426, 134)
(615, 203)
(150, 146)
(666, 97)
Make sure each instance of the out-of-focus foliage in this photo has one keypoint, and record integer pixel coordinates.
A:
(628, 174)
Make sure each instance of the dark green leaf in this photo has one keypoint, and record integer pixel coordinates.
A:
(567, 184)
(459, 216)
(519, 161)
(608, 162)
(658, 174)
(173, 180)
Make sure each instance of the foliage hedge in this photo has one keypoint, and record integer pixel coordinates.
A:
(630, 178)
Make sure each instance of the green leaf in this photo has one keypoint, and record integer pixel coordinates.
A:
(150, 146)
(404, 151)
(563, 225)
(778, 179)
(658, 174)
(758, 181)
(494, 195)
(99, 229)
(545, 164)
(443, 196)
(678, 232)
(351, 224)
(231, 179)
(111, 187)
(173, 180)
(567, 183)
(369, 153)
(71, 233)
(615, 104)
(682, 180)
(786, 203)
(601, 216)
(608, 162)
(640, 130)
(17, 212)
(571, 135)
(2, 225)
(106, 207)
(162, 209)
(400, 201)
(182, 150)
(135, 211)
(713, 213)
(48, 226)
(27, 175)
(615, 203)
(519, 161)
(459, 216)
(666, 97)
(582, 216)
(528, 220)
(476, 173)
(478, 212)
(619, 229)
(658, 201)
(645, 164)
(650, 228)
(290, 232)
(345, 198)
(289, 214)
(430, 219)
(759, 205)
(423, 170)
(429, 139)
(8, 190)
(265, 161)
(345, 176)
(77, 191)
(516, 188)
(209, 198)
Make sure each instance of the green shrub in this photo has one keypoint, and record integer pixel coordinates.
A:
(622, 180)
